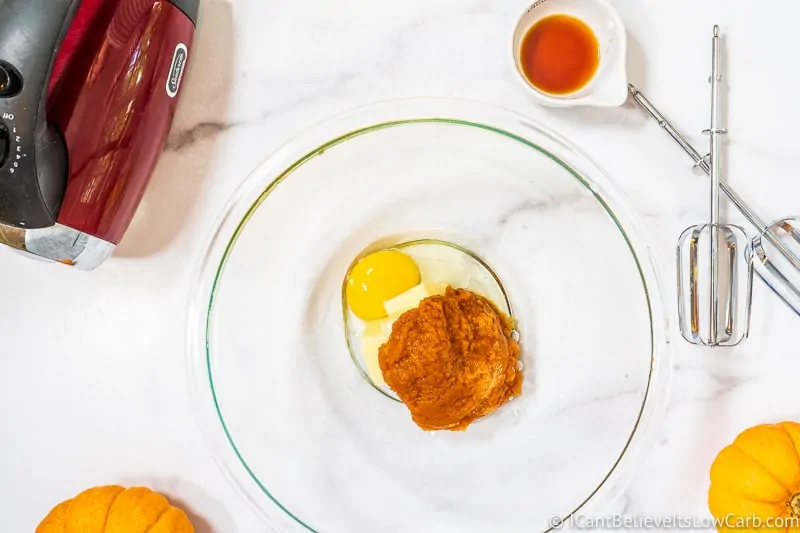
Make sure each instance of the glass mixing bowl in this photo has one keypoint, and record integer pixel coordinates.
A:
(293, 422)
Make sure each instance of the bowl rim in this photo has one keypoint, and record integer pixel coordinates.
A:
(375, 117)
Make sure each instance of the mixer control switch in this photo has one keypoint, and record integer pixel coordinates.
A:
(10, 81)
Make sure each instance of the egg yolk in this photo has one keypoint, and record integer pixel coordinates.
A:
(379, 277)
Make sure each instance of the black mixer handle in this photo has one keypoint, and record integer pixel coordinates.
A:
(33, 157)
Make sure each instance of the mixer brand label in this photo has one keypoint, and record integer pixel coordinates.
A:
(176, 70)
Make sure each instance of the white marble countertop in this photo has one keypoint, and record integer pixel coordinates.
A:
(92, 366)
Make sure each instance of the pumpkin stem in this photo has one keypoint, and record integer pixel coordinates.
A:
(794, 504)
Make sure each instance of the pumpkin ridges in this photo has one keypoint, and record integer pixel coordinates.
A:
(114, 509)
(760, 485)
(110, 505)
(772, 448)
(55, 521)
(173, 520)
(88, 511)
(135, 511)
(793, 430)
(758, 475)
(722, 502)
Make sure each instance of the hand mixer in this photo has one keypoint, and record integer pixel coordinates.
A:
(88, 92)
(775, 251)
(729, 282)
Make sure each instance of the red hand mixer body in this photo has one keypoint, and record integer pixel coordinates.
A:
(73, 176)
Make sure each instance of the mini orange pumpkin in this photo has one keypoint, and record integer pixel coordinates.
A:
(755, 482)
(114, 509)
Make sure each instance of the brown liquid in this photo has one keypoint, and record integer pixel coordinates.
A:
(559, 54)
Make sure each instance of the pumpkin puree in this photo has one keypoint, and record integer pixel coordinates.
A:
(452, 360)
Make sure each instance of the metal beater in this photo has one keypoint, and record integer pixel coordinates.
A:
(724, 247)
(775, 251)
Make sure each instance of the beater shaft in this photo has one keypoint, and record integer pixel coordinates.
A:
(726, 278)
(702, 163)
(715, 133)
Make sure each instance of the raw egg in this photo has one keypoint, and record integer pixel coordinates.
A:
(379, 277)
(427, 268)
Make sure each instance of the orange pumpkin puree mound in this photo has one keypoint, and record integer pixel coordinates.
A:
(452, 360)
